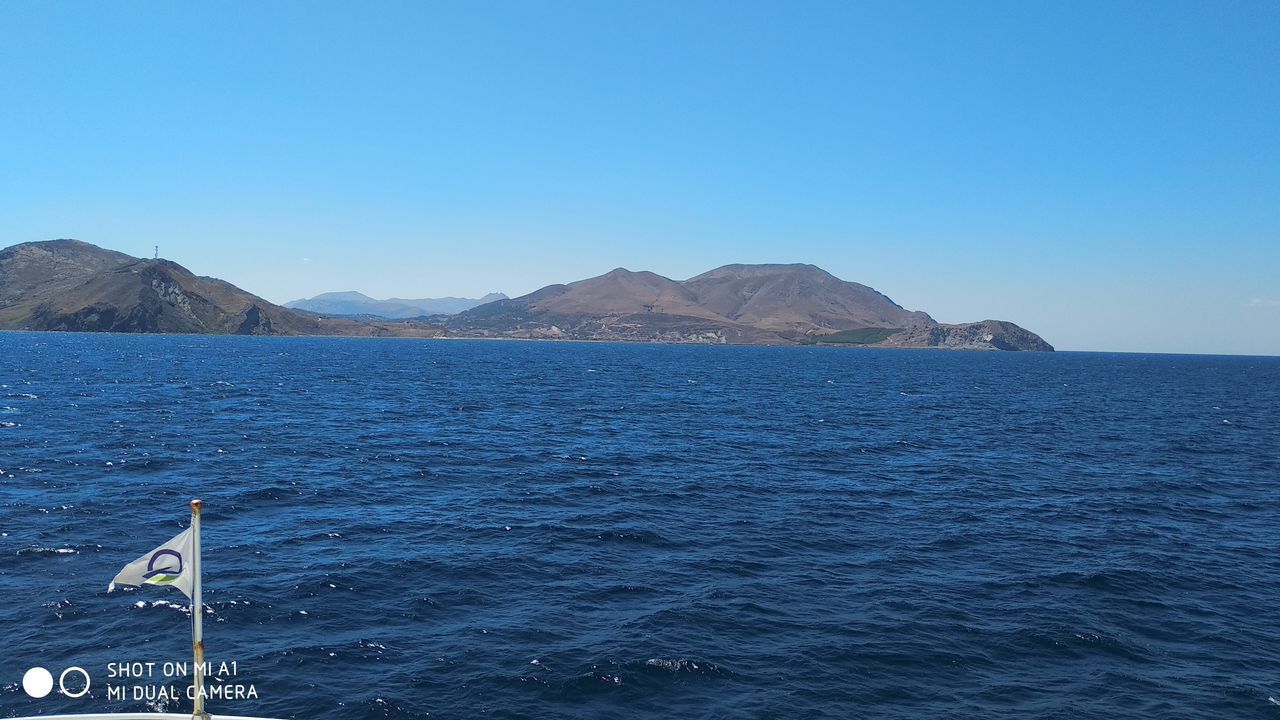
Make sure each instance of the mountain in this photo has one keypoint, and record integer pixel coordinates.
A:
(794, 299)
(73, 285)
(619, 305)
(358, 304)
(755, 304)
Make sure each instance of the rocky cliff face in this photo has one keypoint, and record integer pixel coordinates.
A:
(74, 286)
(985, 335)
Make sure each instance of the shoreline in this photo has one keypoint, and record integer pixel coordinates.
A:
(843, 346)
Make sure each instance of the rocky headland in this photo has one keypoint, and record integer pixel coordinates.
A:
(75, 286)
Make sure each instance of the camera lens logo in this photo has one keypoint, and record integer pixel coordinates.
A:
(38, 682)
(167, 571)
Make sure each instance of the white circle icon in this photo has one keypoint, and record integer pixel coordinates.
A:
(62, 682)
(37, 682)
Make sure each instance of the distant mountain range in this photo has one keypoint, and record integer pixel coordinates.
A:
(72, 285)
(358, 304)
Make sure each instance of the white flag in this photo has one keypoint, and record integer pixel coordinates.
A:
(169, 564)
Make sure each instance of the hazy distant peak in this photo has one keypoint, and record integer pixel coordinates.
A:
(348, 295)
(352, 303)
(490, 297)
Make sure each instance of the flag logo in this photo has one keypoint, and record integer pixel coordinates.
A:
(165, 574)
(166, 565)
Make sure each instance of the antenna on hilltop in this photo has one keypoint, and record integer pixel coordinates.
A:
(157, 257)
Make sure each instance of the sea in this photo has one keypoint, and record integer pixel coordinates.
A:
(485, 529)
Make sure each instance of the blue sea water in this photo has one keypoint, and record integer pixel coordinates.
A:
(458, 529)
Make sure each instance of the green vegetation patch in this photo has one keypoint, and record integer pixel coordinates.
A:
(861, 336)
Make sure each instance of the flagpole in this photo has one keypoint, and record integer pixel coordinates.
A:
(197, 611)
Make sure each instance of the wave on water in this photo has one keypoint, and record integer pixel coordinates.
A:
(38, 550)
(681, 665)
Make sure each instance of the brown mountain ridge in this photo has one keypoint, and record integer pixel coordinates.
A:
(75, 286)
(754, 304)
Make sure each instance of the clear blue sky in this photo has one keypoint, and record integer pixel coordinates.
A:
(1106, 174)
